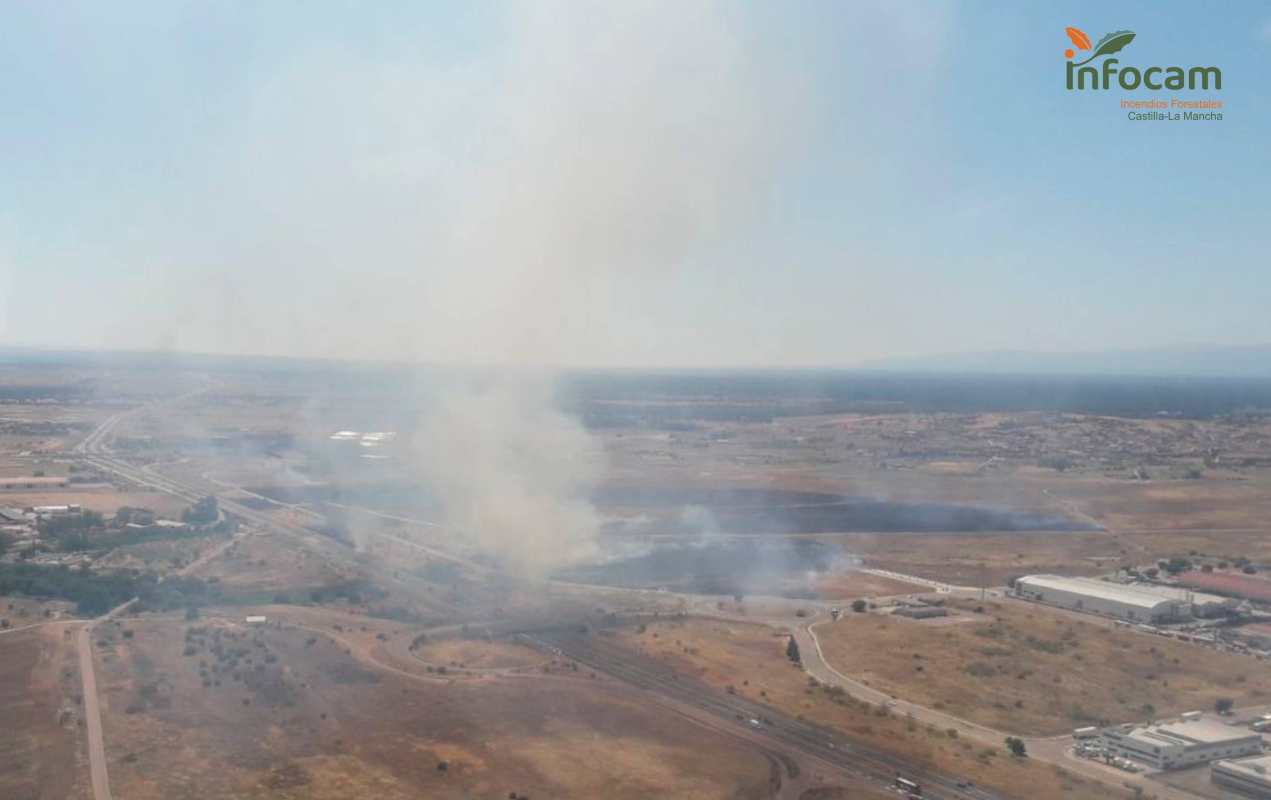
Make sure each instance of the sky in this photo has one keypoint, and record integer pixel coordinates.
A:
(624, 184)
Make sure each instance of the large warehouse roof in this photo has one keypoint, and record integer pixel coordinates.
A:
(1199, 731)
(1137, 596)
(1257, 769)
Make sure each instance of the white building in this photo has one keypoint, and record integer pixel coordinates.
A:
(57, 511)
(1174, 745)
(1132, 602)
(1251, 776)
(1205, 605)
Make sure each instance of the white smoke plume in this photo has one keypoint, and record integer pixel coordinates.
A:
(623, 140)
(513, 474)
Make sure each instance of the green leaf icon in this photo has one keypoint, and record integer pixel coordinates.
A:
(1113, 42)
(1109, 44)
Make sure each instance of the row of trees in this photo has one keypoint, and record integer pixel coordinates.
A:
(97, 592)
(92, 593)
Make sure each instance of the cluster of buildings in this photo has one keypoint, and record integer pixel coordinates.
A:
(20, 523)
(1234, 753)
(1250, 776)
(1193, 739)
(1134, 602)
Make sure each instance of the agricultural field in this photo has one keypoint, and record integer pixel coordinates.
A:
(1030, 670)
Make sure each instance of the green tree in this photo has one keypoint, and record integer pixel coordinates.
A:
(1223, 705)
(204, 512)
(859, 606)
(1016, 746)
(792, 651)
(1177, 565)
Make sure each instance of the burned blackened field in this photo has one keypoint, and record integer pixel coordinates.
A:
(768, 511)
(746, 541)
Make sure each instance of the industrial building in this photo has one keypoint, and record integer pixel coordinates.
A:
(1206, 605)
(1134, 602)
(68, 510)
(1173, 745)
(1250, 776)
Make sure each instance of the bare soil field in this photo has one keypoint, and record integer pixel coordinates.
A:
(1201, 505)
(750, 660)
(40, 741)
(1026, 669)
(854, 584)
(294, 715)
(105, 499)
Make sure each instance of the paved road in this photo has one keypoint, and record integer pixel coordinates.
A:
(816, 665)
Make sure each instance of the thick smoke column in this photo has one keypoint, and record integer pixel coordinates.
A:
(621, 141)
(513, 474)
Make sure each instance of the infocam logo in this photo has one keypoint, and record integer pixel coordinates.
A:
(1081, 76)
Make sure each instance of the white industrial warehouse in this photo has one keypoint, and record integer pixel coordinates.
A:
(1173, 745)
(1135, 602)
(1251, 776)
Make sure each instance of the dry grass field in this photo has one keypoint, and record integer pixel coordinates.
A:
(751, 660)
(997, 460)
(40, 742)
(160, 554)
(478, 654)
(851, 585)
(1030, 670)
(987, 560)
(284, 713)
(272, 563)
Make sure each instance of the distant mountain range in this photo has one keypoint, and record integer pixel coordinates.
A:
(1201, 361)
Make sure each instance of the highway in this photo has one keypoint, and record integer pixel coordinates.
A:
(807, 739)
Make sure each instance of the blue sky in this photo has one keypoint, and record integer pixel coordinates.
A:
(638, 184)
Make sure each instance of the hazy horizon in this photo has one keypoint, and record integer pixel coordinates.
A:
(567, 185)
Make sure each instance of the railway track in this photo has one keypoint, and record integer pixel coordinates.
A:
(809, 739)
